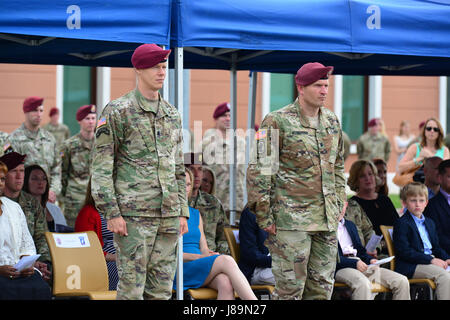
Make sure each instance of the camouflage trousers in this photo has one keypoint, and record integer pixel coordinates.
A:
(303, 264)
(146, 258)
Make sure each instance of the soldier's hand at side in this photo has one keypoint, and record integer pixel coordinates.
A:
(272, 229)
(118, 225)
(183, 226)
(51, 196)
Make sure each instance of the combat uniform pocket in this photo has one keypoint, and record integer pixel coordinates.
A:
(331, 146)
(297, 154)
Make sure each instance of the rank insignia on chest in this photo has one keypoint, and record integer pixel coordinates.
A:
(101, 122)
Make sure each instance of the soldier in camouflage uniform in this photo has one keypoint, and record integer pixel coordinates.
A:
(34, 212)
(59, 130)
(38, 144)
(138, 180)
(296, 188)
(211, 210)
(3, 139)
(373, 144)
(75, 164)
(217, 154)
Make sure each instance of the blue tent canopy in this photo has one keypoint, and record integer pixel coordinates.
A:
(81, 32)
(404, 37)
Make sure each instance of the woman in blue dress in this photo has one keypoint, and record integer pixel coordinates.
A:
(205, 268)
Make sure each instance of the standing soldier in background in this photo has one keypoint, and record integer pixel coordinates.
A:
(38, 144)
(299, 202)
(75, 163)
(217, 155)
(138, 180)
(373, 144)
(3, 139)
(211, 210)
(59, 130)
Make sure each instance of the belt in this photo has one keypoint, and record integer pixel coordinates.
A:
(349, 255)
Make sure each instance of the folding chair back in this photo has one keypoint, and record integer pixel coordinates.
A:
(386, 231)
(79, 266)
(232, 243)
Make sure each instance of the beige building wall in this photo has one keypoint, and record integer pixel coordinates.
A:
(19, 81)
(404, 98)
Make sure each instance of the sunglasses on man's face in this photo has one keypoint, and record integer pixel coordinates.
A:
(432, 128)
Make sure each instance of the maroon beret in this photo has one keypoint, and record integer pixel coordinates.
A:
(32, 103)
(13, 159)
(311, 72)
(148, 55)
(221, 109)
(85, 110)
(53, 111)
(373, 122)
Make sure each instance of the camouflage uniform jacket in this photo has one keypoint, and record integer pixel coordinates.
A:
(137, 159)
(3, 139)
(75, 164)
(370, 147)
(357, 215)
(40, 149)
(214, 220)
(60, 132)
(217, 156)
(36, 221)
(307, 190)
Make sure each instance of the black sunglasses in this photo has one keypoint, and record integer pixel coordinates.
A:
(432, 128)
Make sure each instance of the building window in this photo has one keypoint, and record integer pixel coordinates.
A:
(354, 105)
(282, 90)
(79, 90)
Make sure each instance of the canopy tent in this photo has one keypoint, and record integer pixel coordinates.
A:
(360, 37)
(357, 37)
(82, 32)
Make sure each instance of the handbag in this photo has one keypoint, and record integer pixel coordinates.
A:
(402, 179)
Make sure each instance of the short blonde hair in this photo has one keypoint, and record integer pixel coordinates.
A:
(356, 171)
(413, 189)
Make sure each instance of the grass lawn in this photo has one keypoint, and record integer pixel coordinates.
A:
(395, 198)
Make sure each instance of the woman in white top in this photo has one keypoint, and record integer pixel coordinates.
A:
(16, 242)
(402, 141)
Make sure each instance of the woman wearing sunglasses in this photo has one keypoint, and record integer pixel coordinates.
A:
(431, 144)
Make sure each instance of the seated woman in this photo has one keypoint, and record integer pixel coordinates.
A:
(368, 209)
(208, 181)
(89, 219)
(36, 184)
(431, 144)
(16, 242)
(205, 268)
(382, 187)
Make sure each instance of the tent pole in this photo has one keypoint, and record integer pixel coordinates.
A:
(179, 105)
(250, 122)
(165, 88)
(233, 113)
